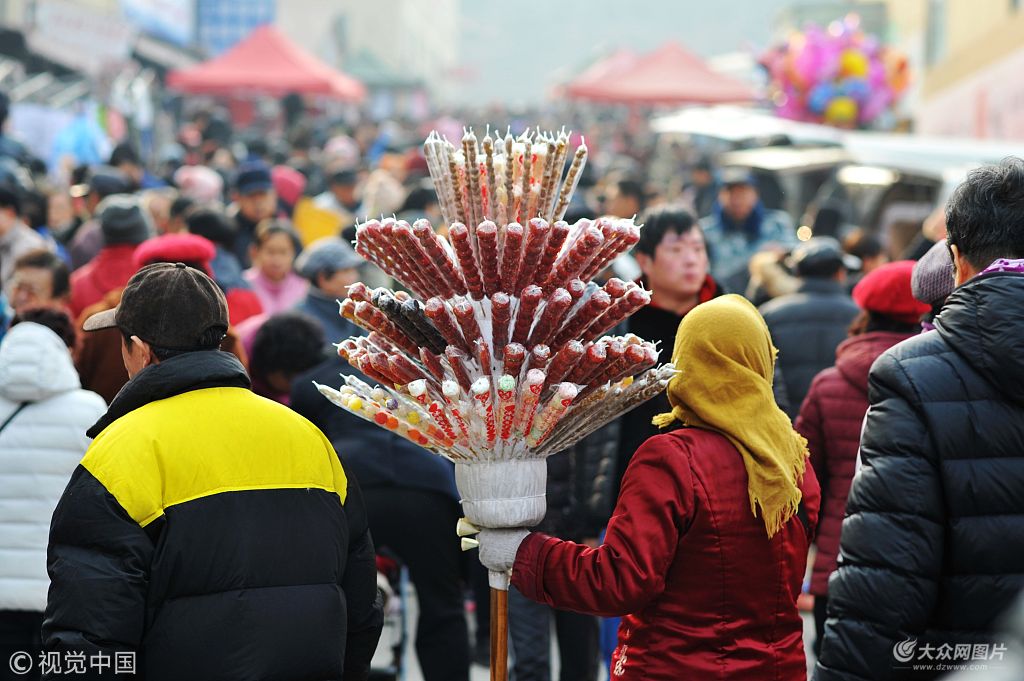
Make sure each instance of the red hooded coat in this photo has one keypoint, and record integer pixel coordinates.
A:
(831, 419)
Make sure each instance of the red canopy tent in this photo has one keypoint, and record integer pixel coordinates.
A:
(669, 75)
(600, 71)
(268, 63)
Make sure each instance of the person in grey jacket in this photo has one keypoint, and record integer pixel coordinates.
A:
(808, 326)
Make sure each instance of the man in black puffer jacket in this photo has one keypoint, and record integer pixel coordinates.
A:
(932, 546)
(808, 326)
(208, 533)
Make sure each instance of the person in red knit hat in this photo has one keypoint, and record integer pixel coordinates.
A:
(833, 411)
(98, 359)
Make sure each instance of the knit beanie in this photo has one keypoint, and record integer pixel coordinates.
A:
(123, 221)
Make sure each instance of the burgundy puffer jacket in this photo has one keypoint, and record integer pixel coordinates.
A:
(830, 418)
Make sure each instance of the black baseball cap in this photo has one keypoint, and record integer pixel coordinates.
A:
(821, 255)
(169, 305)
(253, 177)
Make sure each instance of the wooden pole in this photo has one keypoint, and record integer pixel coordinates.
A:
(499, 635)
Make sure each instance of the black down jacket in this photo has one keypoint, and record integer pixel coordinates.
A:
(807, 327)
(932, 546)
(212, 534)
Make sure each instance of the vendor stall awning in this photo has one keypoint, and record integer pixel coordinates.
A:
(266, 63)
(669, 75)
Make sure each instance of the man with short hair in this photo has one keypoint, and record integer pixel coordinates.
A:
(674, 260)
(932, 548)
(807, 326)
(626, 198)
(40, 280)
(331, 266)
(739, 226)
(254, 201)
(209, 531)
(16, 238)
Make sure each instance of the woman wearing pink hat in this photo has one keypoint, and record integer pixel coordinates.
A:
(833, 411)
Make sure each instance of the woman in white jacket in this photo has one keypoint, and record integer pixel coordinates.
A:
(44, 414)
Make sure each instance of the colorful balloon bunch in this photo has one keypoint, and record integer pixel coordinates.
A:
(838, 76)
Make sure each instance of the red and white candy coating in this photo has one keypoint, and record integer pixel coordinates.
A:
(576, 259)
(567, 357)
(465, 315)
(615, 288)
(632, 363)
(431, 244)
(404, 369)
(576, 289)
(537, 232)
(591, 364)
(359, 292)
(501, 320)
(528, 303)
(621, 309)
(437, 312)
(459, 235)
(585, 317)
(482, 352)
(457, 361)
(506, 404)
(433, 364)
(481, 390)
(556, 407)
(539, 357)
(551, 317)
(427, 270)
(559, 233)
(452, 393)
(511, 257)
(626, 236)
(487, 241)
(532, 387)
(513, 359)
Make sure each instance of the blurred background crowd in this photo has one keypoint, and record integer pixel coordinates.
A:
(812, 142)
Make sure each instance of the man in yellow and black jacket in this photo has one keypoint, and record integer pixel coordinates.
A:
(208, 532)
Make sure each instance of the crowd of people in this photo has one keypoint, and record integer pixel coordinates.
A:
(199, 516)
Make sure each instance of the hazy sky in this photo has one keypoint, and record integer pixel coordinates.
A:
(514, 51)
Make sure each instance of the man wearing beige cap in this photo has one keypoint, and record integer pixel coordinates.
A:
(208, 533)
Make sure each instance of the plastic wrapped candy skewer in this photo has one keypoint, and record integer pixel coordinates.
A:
(511, 257)
(437, 312)
(529, 300)
(556, 239)
(513, 359)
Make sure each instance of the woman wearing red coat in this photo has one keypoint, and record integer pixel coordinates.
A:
(705, 553)
(833, 411)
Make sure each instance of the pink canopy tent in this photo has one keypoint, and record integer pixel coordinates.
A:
(267, 63)
(669, 75)
(600, 71)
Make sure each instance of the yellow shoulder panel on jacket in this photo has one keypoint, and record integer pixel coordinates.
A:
(207, 442)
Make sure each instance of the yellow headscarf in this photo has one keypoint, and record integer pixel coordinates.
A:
(726, 363)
